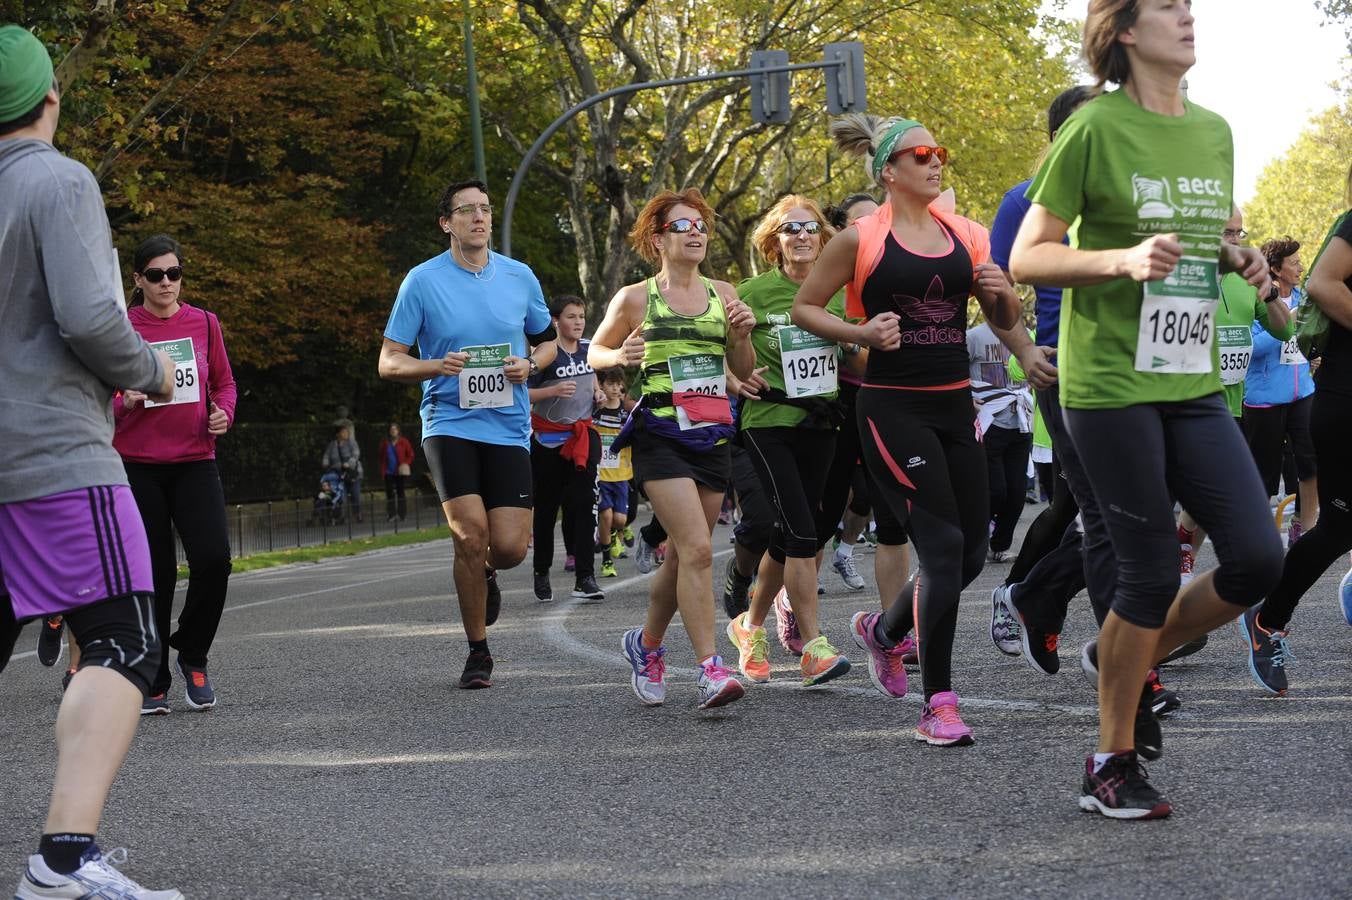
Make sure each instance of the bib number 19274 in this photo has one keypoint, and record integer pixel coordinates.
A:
(483, 381)
(807, 361)
(1177, 322)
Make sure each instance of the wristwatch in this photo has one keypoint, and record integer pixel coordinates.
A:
(534, 366)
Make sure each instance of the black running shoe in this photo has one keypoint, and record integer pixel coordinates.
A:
(1187, 649)
(1120, 789)
(493, 601)
(544, 591)
(49, 640)
(735, 588)
(1267, 651)
(1039, 647)
(586, 588)
(478, 670)
(1146, 733)
(1163, 701)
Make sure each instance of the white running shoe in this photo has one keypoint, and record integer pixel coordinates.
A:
(845, 568)
(98, 877)
(717, 685)
(1006, 634)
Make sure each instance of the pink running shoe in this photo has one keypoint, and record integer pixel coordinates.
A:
(940, 725)
(786, 626)
(910, 651)
(885, 667)
(717, 685)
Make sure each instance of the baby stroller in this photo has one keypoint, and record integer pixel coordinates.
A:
(331, 502)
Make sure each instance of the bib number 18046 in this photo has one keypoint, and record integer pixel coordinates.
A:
(1177, 320)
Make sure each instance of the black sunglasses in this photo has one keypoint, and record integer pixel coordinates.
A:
(793, 228)
(684, 226)
(155, 276)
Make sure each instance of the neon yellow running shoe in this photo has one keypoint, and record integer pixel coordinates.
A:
(617, 550)
(608, 569)
(752, 660)
(821, 662)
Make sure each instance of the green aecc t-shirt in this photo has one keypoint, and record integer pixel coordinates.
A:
(1120, 174)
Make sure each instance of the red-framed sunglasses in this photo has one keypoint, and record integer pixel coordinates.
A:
(922, 154)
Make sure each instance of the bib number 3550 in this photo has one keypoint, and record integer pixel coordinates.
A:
(483, 381)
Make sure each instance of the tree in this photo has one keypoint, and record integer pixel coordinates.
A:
(1301, 193)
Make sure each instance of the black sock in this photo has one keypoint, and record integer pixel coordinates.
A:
(605, 554)
(481, 646)
(62, 852)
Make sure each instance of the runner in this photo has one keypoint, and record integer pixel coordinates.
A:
(615, 471)
(471, 312)
(678, 327)
(170, 454)
(1148, 175)
(1005, 416)
(1264, 628)
(788, 427)
(910, 268)
(66, 339)
(755, 529)
(565, 452)
(1279, 393)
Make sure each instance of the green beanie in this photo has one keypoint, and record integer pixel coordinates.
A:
(25, 72)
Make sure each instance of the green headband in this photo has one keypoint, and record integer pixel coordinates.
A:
(886, 147)
(25, 72)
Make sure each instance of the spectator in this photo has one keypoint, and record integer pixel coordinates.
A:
(396, 464)
(344, 457)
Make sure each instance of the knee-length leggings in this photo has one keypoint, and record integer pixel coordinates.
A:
(929, 468)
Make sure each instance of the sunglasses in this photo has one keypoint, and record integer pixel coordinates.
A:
(684, 226)
(794, 228)
(155, 276)
(922, 154)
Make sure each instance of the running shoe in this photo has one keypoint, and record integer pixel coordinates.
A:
(50, 644)
(586, 588)
(886, 668)
(544, 591)
(65, 679)
(786, 625)
(1293, 533)
(1004, 622)
(608, 569)
(1345, 596)
(1146, 732)
(1186, 559)
(1039, 648)
(845, 568)
(660, 554)
(569, 563)
(628, 536)
(493, 599)
(1089, 662)
(735, 589)
(1187, 649)
(1121, 789)
(1162, 700)
(617, 550)
(197, 686)
(478, 670)
(821, 588)
(871, 538)
(717, 685)
(940, 725)
(997, 556)
(649, 668)
(821, 662)
(645, 555)
(910, 651)
(1267, 650)
(97, 877)
(155, 705)
(752, 657)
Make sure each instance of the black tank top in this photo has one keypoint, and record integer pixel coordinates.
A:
(930, 294)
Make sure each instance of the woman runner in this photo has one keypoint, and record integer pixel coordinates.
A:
(1149, 177)
(910, 268)
(678, 328)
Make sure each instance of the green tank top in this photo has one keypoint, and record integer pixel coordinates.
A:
(698, 343)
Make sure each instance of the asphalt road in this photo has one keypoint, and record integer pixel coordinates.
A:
(342, 762)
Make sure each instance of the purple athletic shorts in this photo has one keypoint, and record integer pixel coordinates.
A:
(67, 550)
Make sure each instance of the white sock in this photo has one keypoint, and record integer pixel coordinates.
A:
(1100, 759)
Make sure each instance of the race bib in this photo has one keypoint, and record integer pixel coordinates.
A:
(808, 362)
(609, 458)
(1235, 343)
(1177, 318)
(1291, 355)
(699, 372)
(483, 381)
(187, 380)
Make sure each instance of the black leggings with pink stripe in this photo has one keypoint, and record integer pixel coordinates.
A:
(922, 452)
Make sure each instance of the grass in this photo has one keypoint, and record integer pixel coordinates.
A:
(331, 550)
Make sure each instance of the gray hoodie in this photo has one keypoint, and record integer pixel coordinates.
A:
(65, 341)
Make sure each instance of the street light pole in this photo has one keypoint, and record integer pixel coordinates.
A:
(475, 125)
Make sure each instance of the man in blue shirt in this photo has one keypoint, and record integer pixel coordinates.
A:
(475, 316)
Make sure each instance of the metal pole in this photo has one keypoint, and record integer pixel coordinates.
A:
(562, 120)
(476, 129)
(297, 522)
(269, 526)
(239, 529)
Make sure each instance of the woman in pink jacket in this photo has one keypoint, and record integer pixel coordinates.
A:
(169, 450)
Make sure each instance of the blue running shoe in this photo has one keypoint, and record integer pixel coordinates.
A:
(197, 690)
(649, 668)
(1345, 596)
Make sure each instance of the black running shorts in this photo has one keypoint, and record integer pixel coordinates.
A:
(499, 475)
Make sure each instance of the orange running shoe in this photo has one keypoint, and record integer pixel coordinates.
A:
(822, 662)
(752, 658)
